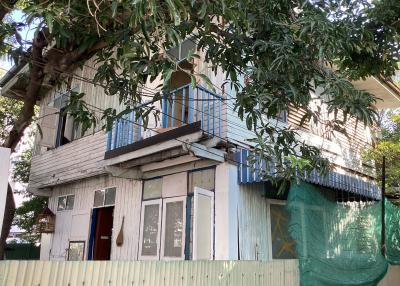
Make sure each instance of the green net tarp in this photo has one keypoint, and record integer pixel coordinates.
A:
(337, 243)
(392, 233)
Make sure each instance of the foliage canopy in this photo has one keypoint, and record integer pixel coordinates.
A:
(283, 48)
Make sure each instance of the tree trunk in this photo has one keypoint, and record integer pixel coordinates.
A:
(9, 212)
(31, 95)
(38, 69)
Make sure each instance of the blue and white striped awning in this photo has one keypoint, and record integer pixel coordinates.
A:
(248, 174)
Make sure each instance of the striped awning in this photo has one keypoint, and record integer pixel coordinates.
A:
(252, 173)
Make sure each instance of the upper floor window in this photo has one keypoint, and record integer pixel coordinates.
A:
(58, 127)
(64, 129)
(65, 203)
(282, 116)
(181, 51)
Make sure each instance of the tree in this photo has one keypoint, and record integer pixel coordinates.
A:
(10, 110)
(284, 48)
(32, 206)
(388, 146)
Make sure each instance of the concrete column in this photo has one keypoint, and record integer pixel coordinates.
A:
(226, 217)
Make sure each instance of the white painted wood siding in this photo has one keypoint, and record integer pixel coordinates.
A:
(79, 158)
(73, 161)
(343, 151)
(75, 224)
(253, 223)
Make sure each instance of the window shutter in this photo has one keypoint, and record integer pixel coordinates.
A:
(69, 128)
(203, 224)
(48, 126)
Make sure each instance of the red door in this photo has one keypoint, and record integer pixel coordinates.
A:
(102, 236)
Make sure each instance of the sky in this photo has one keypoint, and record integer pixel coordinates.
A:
(26, 34)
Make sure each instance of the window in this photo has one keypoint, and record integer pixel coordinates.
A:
(76, 250)
(204, 179)
(172, 221)
(65, 203)
(104, 197)
(181, 51)
(168, 242)
(152, 189)
(282, 116)
(282, 245)
(203, 224)
(173, 236)
(150, 226)
(64, 129)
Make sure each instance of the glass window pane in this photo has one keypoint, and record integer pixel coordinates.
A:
(283, 246)
(62, 203)
(98, 198)
(76, 251)
(152, 189)
(186, 46)
(204, 179)
(70, 202)
(150, 230)
(174, 52)
(173, 229)
(109, 197)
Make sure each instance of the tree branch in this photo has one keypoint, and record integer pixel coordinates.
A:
(31, 95)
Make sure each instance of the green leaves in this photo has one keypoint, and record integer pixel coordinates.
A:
(389, 147)
(82, 113)
(271, 54)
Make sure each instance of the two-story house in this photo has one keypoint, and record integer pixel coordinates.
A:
(183, 188)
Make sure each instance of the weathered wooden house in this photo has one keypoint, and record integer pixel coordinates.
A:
(182, 189)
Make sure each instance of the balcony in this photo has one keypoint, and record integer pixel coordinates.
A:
(183, 109)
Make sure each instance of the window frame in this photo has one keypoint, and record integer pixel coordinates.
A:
(144, 204)
(84, 247)
(143, 189)
(162, 237)
(304, 235)
(66, 202)
(199, 191)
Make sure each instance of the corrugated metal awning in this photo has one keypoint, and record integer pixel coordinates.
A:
(252, 173)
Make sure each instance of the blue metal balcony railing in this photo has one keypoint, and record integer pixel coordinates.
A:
(124, 131)
(181, 106)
